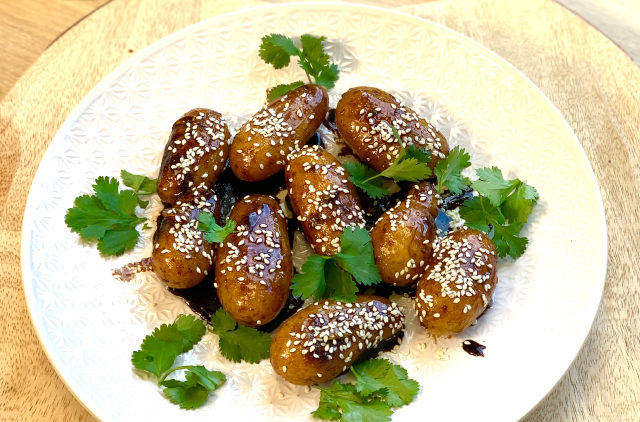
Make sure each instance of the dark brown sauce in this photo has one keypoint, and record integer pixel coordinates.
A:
(129, 271)
(473, 348)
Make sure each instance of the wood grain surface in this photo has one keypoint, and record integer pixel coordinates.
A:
(593, 83)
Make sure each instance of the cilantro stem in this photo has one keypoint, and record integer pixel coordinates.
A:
(162, 378)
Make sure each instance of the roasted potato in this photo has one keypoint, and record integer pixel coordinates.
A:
(458, 282)
(319, 342)
(181, 256)
(261, 146)
(196, 154)
(253, 264)
(323, 198)
(403, 236)
(363, 118)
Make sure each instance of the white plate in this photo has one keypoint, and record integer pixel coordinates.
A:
(89, 323)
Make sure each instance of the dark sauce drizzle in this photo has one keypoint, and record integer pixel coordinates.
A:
(473, 348)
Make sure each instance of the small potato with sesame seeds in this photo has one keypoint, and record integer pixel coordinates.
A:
(403, 236)
(458, 282)
(253, 265)
(261, 146)
(181, 256)
(363, 118)
(323, 340)
(323, 198)
(195, 154)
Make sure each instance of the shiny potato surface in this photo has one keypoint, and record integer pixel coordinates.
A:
(403, 236)
(253, 265)
(363, 116)
(323, 198)
(196, 154)
(319, 342)
(261, 146)
(181, 256)
(458, 283)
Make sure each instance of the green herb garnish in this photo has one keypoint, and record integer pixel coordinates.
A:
(159, 351)
(109, 216)
(237, 342)
(333, 277)
(214, 233)
(277, 50)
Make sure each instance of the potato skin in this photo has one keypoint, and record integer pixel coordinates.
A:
(291, 354)
(176, 259)
(195, 155)
(323, 198)
(363, 115)
(253, 265)
(446, 312)
(403, 236)
(261, 146)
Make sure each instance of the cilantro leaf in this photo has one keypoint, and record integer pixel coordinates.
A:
(423, 156)
(340, 284)
(385, 379)
(409, 169)
(241, 343)
(313, 59)
(187, 397)
(328, 76)
(116, 242)
(365, 178)
(279, 90)
(492, 185)
(478, 213)
(519, 204)
(210, 380)
(507, 240)
(356, 256)
(141, 185)
(353, 407)
(158, 350)
(277, 49)
(191, 328)
(311, 280)
(214, 233)
(448, 171)
(124, 202)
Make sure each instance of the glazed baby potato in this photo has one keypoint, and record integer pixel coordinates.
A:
(321, 341)
(403, 236)
(253, 265)
(323, 198)
(196, 154)
(261, 146)
(458, 283)
(181, 256)
(363, 116)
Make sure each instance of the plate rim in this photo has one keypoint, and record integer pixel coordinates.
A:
(105, 83)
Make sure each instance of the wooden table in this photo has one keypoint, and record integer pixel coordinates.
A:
(595, 86)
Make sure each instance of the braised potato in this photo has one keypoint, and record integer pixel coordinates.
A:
(458, 282)
(196, 154)
(261, 146)
(403, 236)
(323, 198)
(363, 116)
(319, 342)
(253, 264)
(181, 256)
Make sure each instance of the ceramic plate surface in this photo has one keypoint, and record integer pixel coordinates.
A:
(89, 323)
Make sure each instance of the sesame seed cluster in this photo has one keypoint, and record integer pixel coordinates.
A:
(337, 330)
(327, 201)
(461, 272)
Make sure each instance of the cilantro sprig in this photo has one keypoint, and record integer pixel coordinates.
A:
(448, 171)
(410, 165)
(158, 353)
(277, 50)
(237, 342)
(380, 386)
(502, 204)
(333, 277)
(109, 217)
(214, 233)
